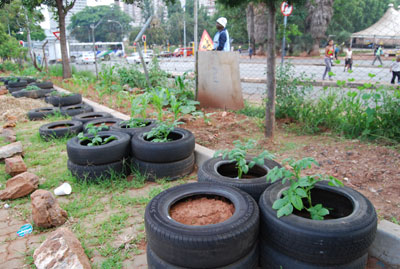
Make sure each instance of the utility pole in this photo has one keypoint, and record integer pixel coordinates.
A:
(184, 30)
(92, 26)
(196, 63)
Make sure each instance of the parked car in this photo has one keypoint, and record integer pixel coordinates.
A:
(86, 58)
(166, 54)
(180, 52)
(135, 58)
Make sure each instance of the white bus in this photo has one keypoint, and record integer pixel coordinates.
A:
(105, 50)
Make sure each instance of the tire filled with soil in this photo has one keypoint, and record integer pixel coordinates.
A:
(108, 122)
(90, 116)
(75, 109)
(41, 113)
(60, 129)
(220, 171)
(123, 126)
(342, 238)
(201, 225)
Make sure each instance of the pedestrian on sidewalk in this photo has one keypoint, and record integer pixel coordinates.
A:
(337, 50)
(378, 54)
(221, 38)
(250, 52)
(348, 62)
(395, 69)
(328, 59)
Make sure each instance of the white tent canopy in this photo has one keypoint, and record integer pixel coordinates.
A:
(388, 27)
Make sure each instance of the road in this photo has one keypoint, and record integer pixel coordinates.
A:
(256, 68)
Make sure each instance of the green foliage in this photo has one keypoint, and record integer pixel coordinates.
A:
(299, 189)
(9, 66)
(371, 111)
(238, 156)
(95, 139)
(32, 88)
(106, 31)
(291, 91)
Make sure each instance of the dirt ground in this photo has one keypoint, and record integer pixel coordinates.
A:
(372, 169)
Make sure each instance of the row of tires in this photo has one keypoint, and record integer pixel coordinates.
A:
(254, 236)
(126, 152)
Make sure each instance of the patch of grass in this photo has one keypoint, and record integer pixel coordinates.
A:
(252, 110)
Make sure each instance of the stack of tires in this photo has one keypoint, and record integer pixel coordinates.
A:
(64, 100)
(298, 242)
(229, 244)
(123, 126)
(172, 159)
(98, 162)
(15, 86)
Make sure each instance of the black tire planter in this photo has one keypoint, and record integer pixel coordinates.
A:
(272, 259)
(64, 100)
(90, 116)
(123, 127)
(75, 109)
(30, 80)
(32, 94)
(15, 89)
(44, 85)
(181, 146)
(207, 246)
(21, 83)
(247, 262)
(115, 150)
(329, 242)
(60, 129)
(219, 171)
(171, 170)
(41, 113)
(107, 121)
(95, 172)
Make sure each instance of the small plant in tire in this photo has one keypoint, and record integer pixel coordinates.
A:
(160, 133)
(32, 88)
(238, 156)
(96, 140)
(300, 187)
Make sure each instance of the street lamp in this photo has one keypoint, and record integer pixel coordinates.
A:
(92, 26)
(122, 28)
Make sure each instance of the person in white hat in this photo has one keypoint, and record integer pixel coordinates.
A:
(221, 38)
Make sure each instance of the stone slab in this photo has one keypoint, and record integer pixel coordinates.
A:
(386, 246)
(10, 150)
(219, 80)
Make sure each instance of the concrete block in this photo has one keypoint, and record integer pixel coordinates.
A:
(386, 246)
(202, 154)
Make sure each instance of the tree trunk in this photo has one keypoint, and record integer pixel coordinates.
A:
(250, 25)
(315, 48)
(63, 40)
(271, 82)
(260, 27)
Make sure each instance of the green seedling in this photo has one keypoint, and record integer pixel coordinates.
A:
(160, 133)
(96, 140)
(300, 187)
(238, 156)
(32, 88)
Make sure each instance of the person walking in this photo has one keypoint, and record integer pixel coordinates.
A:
(395, 69)
(348, 62)
(250, 52)
(221, 38)
(328, 57)
(378, 54)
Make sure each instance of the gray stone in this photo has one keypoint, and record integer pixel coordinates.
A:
(386, 246)
(61, 250)
(10, 150)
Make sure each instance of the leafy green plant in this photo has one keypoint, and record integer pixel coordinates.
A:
(134, 123)
(239, 153)
(299, 189)
(61, 94)
(160, 133)
(32, 88)
(96, 139)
